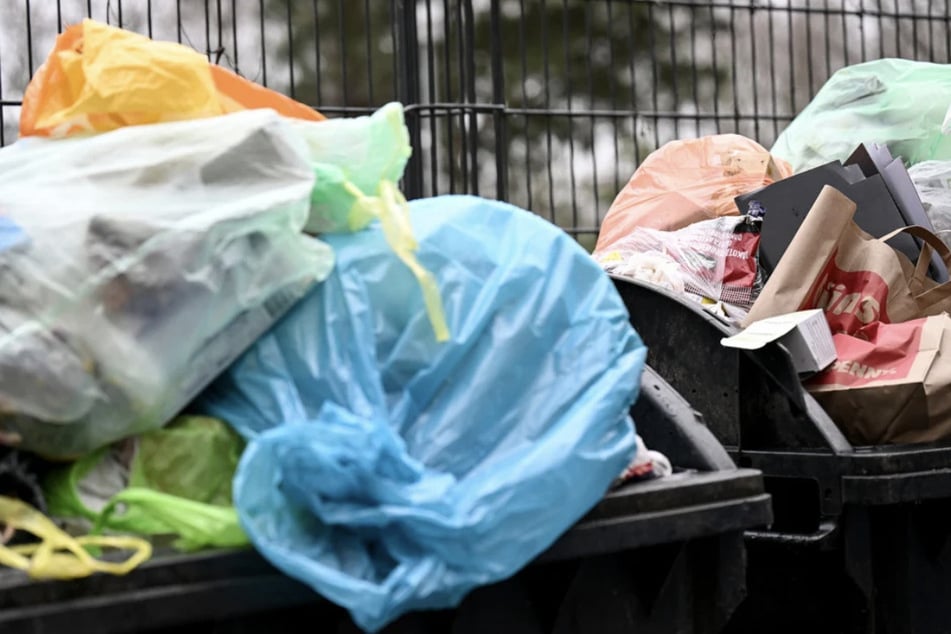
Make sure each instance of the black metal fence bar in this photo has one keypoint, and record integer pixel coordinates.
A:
(550, 104)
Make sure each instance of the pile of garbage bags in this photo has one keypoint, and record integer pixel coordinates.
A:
(848, 213)
(222, 325)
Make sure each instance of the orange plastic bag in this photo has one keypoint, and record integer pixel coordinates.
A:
(99, 78)
(686, 181)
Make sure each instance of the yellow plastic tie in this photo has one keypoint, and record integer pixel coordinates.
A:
(60, 556)
(393, 211)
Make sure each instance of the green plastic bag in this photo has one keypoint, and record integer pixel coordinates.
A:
(172, 481)
(358, 163)
(901, 103)
(351, 157)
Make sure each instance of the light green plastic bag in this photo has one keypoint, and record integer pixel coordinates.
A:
(901, 103)
(351, 157)
(178, 483)
(358, 163)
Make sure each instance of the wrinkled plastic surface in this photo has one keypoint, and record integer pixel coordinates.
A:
(898, 102)
(687, 181)
(932, 179)
(99, 78)
(171, 481)
(714, 259)
(391, 472)
(137, 265)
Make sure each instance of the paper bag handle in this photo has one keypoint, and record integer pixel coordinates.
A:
(932, 242)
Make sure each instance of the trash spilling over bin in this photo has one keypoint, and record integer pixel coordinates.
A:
(712, 261)
(685, 528)
(224, 326)
(848, 514)
(855, 545)
(848, 422)
(393, 472)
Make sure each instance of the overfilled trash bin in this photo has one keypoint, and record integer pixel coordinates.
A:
(663, 555)
(858, 543)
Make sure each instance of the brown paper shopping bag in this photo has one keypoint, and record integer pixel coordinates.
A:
(857, 279)
(891, 382)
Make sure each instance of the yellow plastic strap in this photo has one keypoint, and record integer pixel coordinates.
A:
(393, 211)
(60, 556)
(394, 216)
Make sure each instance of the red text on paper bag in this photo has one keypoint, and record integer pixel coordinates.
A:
(850, 299)
(877, 352)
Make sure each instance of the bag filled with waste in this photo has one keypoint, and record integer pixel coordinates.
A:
(135, 265)
(394, 472)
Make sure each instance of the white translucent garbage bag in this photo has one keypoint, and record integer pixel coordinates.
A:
(135, 265)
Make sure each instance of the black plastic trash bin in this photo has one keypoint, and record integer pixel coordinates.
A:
(659, 556)
(859, 542)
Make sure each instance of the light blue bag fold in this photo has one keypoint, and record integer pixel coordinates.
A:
(391, 472)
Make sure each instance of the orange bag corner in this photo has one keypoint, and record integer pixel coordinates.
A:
(689, 180)
(84, 86)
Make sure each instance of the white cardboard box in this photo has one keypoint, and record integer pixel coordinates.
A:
(805, 334)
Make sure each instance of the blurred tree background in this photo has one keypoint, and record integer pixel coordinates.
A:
(550, 64)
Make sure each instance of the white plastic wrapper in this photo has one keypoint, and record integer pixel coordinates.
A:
(654, 267)
(932, 179)
(715, 259)
(136, 265)
(646, 465)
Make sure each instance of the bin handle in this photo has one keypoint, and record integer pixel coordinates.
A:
(825, 532)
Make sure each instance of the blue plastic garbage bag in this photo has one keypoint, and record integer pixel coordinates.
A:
(391, 472)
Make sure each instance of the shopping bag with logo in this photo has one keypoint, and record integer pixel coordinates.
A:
(857, 279)
(891, 382)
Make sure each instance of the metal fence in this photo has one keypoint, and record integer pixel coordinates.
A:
(549, 104)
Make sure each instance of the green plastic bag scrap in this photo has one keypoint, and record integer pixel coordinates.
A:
(174, 481)
(901, 103)
(358, 163)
